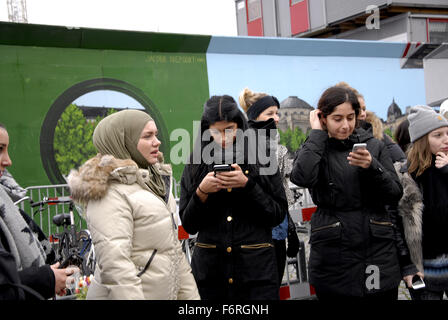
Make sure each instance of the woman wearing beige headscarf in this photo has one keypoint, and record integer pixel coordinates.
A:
(130, 214)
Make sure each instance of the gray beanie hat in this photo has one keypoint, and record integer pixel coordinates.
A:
(422, 120)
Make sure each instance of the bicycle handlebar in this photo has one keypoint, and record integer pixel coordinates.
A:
(51, 201)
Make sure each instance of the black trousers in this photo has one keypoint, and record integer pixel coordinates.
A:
(425, 294)
(280, 254)
(388, 295)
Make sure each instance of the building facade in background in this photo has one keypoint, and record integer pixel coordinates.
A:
(423, 24)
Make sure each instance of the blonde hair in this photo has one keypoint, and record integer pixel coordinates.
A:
(247, 98)
(344, 84)
(377, 126)
(419, 155)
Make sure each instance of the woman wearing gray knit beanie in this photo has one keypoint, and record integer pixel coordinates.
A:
(424, 205)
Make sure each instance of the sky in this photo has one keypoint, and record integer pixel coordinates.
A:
(380, 80)
(210, 17)
(107, 98)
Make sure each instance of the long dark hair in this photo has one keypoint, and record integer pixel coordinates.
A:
(401, 135)
(334, 96)
(222, 108)
(217, 108)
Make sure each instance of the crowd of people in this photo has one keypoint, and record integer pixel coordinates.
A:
(382, 207)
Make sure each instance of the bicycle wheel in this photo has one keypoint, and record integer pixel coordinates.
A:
(86, 252)
(89, 262)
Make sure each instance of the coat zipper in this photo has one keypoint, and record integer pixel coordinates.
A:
(205, 245)
(256, 246)
(147, 263)
(334, 225)
(382, 223)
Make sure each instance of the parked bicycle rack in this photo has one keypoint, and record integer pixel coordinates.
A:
(44, 218)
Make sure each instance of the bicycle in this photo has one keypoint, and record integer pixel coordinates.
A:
(74, 248)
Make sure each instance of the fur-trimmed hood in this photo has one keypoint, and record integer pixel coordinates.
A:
(411, 209)
(134, 233)
(91, 181)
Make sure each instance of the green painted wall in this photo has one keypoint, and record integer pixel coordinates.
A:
(33, 77)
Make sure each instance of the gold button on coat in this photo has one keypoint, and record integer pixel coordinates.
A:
(230, 280)
(229, 218)
(229, 249)
(246, 172)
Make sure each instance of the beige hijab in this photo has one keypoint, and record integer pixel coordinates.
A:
(118, 135)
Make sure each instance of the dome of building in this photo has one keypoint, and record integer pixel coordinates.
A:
(394, 110)
(295, 102)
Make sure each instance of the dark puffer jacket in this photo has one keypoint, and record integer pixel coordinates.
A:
(351, 229)
(234, 257)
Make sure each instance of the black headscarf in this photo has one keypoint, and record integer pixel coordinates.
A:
(260, 105)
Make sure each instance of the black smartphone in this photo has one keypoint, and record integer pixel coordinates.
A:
(222, 168)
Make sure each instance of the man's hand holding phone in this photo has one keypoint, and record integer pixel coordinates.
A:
(360, 156)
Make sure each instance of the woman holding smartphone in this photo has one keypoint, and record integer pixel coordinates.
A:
(232, 212)
(353, 248)
(424, 206)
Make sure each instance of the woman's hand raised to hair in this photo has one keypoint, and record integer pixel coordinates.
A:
(315, 120)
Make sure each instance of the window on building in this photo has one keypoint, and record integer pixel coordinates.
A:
(254, 10)
(437, 30)
(293, 2)
(300, 21)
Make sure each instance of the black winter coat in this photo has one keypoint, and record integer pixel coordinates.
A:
(234, 257)
(41, 279)
(351, 229)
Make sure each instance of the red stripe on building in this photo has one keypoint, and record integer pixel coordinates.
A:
(254, 26)
(406, 50)
(299, 16)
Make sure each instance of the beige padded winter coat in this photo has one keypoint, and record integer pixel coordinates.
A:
(129, 224)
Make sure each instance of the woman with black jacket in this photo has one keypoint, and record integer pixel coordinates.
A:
(262, 112)
(424, 206)
(232, 212)
(353, 236)
(17, 240)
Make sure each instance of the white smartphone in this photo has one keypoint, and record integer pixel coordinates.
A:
(417, 282)
(357, 146)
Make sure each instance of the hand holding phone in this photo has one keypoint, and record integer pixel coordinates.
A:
(232, 177)
(360, 156)
(417, 282)
(358, 146)
(222, 168)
